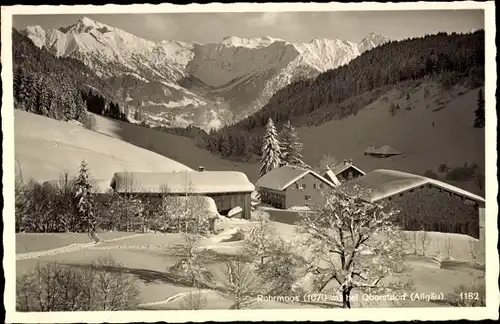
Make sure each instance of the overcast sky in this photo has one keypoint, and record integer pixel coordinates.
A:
(290, 26)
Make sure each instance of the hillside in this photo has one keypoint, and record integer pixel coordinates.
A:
(452, 139)
(207, 85)
(424, 147)
(447, 61)
(45, 148)
(178, 148)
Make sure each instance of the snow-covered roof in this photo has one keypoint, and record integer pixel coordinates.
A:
(329, 175)
(341, 167)
(282, 177)
(182, 182)
(386, 183)
(385, 149)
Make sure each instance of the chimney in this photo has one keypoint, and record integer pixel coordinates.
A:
(350, 161)
(201, 168)
(345, 162)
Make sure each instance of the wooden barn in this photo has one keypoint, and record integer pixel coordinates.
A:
(382, 152)
(228, 189)
(292, 186)
(424, 203)
(344, 171)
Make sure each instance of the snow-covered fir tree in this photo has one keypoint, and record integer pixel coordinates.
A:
(291, 147)
(85, 199)
(271, 149)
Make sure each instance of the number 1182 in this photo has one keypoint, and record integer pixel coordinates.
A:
(469, 295)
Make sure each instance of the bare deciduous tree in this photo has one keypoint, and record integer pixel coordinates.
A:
(194, 301)
(425, 240)
(260, 239)
(326, 161)
(240, 283)
(448, 245)
(189, 217)
(472, 250)
(356, 241)
(55, 287)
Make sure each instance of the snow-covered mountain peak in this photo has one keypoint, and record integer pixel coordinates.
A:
(371, 41)
(231, 78)
(235, 41)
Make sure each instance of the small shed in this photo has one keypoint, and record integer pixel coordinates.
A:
(382, 152)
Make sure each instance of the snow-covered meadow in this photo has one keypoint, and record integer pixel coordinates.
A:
(148, 256)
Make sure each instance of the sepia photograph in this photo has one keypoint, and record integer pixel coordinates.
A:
(246, 158)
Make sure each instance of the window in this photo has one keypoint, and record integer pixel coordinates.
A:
(307, 197)
(349, 175)
(315, 186)
(320, 186)
(300, 186)
(304, 186)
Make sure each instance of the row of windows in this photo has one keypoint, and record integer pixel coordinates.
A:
(303, 186)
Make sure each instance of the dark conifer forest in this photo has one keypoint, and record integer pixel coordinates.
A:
(446, 58)
(56, 87)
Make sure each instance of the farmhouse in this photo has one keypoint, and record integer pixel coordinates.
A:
(290, 186)
(344, 171)
(381, 152)
(424, 203)
(228, 189)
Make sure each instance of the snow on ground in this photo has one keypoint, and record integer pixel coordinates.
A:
(47, 147)
(147, 257)
(33, 242)
(299, 208)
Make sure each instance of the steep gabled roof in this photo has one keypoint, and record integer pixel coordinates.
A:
(341, 167)
(281, 178)
(386, 183)
(182, 182)
(370, 149)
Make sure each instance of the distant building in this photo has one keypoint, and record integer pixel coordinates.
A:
(382, 152)
(424, 203)
(290, 186)
(228, 189)
(344, 171)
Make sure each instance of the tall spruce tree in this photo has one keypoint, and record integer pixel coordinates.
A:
(291, 147)
(85, 199)
(479, 121)
(271, 149)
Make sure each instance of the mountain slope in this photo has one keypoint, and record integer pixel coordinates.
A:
(46, 147)
(438, 129)
(178, 148)
(181, 83)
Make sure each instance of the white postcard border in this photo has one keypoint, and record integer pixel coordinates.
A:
(375, 314)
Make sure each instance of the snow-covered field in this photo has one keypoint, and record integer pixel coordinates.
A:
(147, 257)
(44, 148)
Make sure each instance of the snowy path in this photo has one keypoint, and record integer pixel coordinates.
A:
(68, 248)
(175, 297)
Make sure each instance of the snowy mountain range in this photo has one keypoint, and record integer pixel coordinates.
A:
(177, 83)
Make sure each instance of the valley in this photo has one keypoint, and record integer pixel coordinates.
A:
(205, 85)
